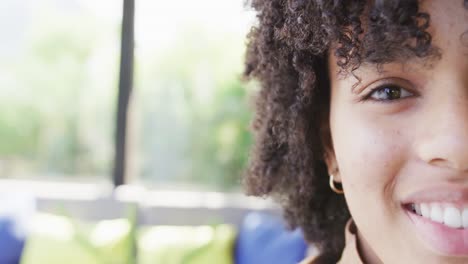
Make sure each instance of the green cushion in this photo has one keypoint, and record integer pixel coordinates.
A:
(58, 240)
(186, 245)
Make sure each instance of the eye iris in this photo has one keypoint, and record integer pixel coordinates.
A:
(392, 93)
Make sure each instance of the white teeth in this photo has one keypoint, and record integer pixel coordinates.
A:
(446, 214)
(417, 208)
(452, 217)
(437, 215)
(425, 210)
(465, 218)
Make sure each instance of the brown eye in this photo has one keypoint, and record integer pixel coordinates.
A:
(388, 93)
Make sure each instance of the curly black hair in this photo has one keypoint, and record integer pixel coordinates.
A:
(287, 53)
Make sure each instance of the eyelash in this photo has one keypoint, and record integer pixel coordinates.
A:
(403, 93)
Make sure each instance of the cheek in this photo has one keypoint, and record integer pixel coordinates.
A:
(369, 154)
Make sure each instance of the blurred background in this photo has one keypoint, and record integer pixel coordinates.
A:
(125, 121)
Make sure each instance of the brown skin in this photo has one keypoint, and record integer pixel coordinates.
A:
(383, 151)
(288, 54)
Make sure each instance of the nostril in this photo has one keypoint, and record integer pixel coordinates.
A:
(440, 163)
(444, 163)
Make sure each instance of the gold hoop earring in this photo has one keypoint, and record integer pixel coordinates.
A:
(333, 187)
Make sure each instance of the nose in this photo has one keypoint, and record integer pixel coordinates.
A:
(445, 143)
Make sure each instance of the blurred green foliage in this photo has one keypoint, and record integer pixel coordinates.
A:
(190, 106)
(194, 111)
(45, 93)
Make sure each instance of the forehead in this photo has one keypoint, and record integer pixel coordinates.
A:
(449, 24)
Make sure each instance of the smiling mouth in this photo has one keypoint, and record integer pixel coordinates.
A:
(439, 217)
(447, 214)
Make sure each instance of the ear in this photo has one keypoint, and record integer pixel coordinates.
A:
(329, 156)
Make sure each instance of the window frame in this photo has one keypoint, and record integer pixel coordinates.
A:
(125, 87)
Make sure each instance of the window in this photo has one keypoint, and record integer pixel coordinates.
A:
(188, 118)
(58, 72)
(190, 107)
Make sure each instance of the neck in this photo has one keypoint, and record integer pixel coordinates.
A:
(366, 253)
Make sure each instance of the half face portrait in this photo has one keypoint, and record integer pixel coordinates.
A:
(361, 126)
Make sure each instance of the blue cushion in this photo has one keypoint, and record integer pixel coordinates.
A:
(11, 243)
(15, 213)
(263, 238)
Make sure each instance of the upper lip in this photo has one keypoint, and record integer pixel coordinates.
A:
(439, 194)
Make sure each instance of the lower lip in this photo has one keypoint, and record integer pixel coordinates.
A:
(445, 240)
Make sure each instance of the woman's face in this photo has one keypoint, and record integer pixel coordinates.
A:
(400, 140)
